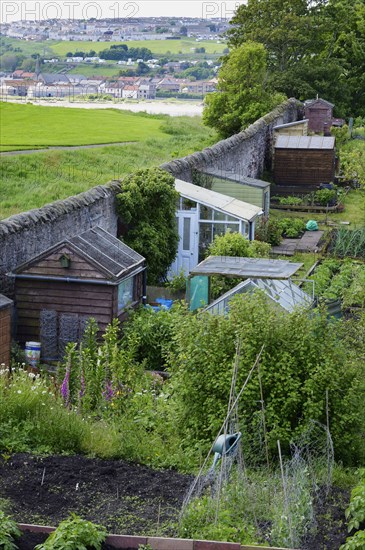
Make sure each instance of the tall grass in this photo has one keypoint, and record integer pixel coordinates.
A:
(31, 181)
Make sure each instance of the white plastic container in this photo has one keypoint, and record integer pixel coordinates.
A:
(32, 353)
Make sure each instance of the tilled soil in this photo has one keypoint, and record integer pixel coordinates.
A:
(126, 498)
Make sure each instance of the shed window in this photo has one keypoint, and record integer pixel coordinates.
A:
(125, 293)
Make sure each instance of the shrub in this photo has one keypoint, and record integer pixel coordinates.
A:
(291, 227)
(268, 230)
(325, 197)
(147, 205)
(8, 532)
(75, 533)
(355, 514)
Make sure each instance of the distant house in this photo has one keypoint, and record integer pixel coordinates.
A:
(319, 114)
(201, 214)
(90, 275)
(304, 162)
(130, 92)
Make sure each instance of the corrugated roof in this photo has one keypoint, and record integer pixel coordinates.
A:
(305, 142)
(256, 268)
(284, 293)
(107, 251)
(228, 205)
(239, 178)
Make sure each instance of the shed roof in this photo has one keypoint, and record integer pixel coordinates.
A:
(239, 178)
(305, 142)
(230, 266)
(113, 258)
(311, 102)
(228, 205)
(108, 251)
(282, 292)
(5, 302)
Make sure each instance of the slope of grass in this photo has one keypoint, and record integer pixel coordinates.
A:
(158, 47)
(31, 181)
(89, 69)
(34, 125)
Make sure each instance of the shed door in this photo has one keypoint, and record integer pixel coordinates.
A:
(187, 254)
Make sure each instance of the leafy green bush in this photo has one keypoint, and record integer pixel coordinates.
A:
(177, 283)
(8, 532)
(304, 356)
(147, 205)
(290, 200)
(233, 244)
(291, 227)
(75, 533)
(268, 230)
(325, 197)
(355, 514)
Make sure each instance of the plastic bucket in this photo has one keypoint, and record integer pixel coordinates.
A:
(32, 353)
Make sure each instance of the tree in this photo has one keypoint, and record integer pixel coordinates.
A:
(242, 97)
(184, 31)
(314, 47)
(147, 204)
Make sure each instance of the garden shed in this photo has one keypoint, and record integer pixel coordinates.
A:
(90, 275)
(251, 190)
(319, 114)
(302, 163)
(6, 307)
(201, 215)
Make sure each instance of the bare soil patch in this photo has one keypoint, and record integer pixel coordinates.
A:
(126, 498)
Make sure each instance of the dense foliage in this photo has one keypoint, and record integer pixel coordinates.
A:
(233, 244)
(147, 204)
(8, 532)
(75, 533)
(313, 47)
(243, 96)
(355, 514)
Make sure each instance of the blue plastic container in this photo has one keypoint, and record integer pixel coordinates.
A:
(165, 304)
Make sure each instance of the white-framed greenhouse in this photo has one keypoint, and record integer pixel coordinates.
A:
(201, 215)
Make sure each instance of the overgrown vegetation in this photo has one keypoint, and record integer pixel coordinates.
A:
(9, 532)
(355, 514)
(75, 533)
(31, 181)
(147, 205)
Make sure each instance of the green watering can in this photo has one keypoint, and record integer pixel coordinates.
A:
(225, 445)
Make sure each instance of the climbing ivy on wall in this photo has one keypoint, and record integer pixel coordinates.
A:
(147, 205)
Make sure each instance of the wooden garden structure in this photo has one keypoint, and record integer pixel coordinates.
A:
(90, 275)
(302, 163)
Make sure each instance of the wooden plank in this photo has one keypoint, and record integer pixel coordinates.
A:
(95, 301)
(61, 272)
(59, 285)
(99, 293)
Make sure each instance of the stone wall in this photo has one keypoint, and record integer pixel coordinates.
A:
(25, 235)
(247, 153)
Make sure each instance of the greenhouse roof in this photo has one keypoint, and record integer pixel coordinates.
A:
(245, 268)
(228, 205)
(282, 292)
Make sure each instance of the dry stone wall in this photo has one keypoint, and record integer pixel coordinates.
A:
(247, 153)
(25, 235)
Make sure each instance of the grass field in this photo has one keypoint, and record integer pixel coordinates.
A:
(51, 48)
(88, 69)
(158, 47)
(31, 181)
(33, 125)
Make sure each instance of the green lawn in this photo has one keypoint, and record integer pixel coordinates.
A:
(158, 47)
(31, 181)
(88, 69)
(34, 125)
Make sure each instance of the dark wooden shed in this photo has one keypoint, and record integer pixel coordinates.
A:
(304, 162)
(319, 114)
(6, 306)
(91, 275)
